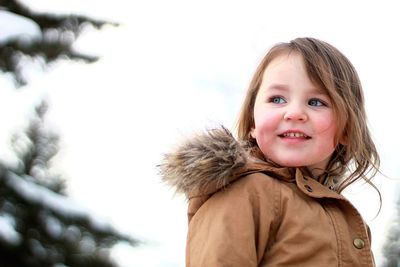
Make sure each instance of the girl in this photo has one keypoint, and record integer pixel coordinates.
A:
(272, 197)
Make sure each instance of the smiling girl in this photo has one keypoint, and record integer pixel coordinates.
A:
(272, 197)
(294, 123)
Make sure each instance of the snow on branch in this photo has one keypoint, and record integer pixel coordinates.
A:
(57, 203)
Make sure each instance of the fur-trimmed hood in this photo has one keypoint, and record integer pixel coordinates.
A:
(209, 161)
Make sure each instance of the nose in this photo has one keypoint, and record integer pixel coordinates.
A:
(295, 112)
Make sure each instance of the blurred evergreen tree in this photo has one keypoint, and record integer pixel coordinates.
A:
(391, 248)
(56, 35)
(39, 226)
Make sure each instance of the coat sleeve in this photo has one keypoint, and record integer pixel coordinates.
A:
(234, 226)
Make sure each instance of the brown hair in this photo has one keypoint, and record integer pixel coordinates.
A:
(328, 68)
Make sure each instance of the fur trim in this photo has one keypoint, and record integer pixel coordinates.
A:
(204, 163)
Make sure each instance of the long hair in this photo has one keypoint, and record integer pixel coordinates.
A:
(356, 155)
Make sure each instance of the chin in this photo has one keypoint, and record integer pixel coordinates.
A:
(292, 163)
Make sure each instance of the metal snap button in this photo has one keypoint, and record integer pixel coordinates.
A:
(359, 243)
(309, 189)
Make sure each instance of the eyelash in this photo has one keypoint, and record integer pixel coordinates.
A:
(316, 99)
(273, 98)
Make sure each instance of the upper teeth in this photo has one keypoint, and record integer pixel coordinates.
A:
(294, 135)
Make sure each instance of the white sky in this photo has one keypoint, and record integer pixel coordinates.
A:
(180, 66)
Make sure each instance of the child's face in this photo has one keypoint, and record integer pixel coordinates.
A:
(294, 121)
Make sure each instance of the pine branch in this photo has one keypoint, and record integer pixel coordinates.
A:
(67, 27)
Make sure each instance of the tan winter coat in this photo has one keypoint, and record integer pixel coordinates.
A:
(243, 212)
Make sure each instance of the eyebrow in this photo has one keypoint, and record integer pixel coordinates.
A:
(283, 87)
(277, 86)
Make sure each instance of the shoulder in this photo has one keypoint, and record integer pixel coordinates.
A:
(261, 192)
(256, 189)
(250, 192)
(255, 183)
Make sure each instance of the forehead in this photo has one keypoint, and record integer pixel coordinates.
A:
(288, 70)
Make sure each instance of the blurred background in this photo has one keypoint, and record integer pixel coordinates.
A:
(92, 93)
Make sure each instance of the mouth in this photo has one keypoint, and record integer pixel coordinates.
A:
(294, 135)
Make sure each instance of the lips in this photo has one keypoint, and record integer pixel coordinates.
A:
(294, 134)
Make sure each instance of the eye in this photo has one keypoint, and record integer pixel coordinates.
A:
(315, 102)
(277, 100)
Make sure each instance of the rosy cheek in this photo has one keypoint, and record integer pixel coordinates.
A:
(326, 129)
(324, 124)
(267, 122)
